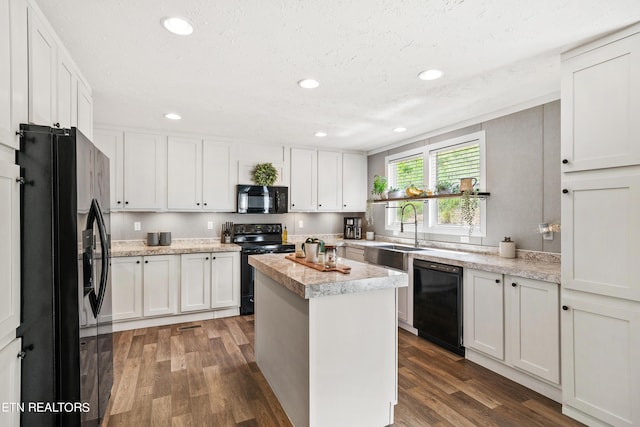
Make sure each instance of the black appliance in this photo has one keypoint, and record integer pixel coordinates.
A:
(65, 254)
(352, 228)
(260, 199)
(256, 239)
(437, 304)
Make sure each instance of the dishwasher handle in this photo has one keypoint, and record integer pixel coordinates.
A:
(418, 263)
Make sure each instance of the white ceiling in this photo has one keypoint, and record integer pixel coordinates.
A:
(235, 76)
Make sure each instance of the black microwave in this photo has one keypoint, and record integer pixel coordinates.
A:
(258, 199)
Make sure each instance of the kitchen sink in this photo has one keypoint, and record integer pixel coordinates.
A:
(394, 256)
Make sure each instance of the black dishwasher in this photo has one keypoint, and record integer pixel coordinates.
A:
(437, 304)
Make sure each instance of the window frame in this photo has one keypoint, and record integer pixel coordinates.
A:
(430, 214)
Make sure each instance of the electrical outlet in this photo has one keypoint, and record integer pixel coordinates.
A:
(301, 224)
(464, 239)
(209, 225)
(137, 226)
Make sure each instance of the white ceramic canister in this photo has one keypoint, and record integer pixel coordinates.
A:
(507, 248)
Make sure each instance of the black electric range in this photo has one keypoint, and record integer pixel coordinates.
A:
(256, 239)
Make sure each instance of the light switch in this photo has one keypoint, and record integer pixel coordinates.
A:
(209, 225)
(301, 224)
(137, 226)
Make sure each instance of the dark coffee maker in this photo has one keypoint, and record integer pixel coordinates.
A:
(353, 228)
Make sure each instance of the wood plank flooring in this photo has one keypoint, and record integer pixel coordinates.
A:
(207, 376)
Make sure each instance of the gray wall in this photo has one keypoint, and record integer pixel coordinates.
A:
(523, 177)
(188, 224)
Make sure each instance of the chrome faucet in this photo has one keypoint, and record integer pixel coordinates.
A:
(415, 218)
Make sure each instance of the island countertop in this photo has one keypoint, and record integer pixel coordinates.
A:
(309, 283)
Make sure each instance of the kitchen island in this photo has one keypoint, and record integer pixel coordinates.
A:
(327, 342)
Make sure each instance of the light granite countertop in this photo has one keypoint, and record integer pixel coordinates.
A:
(529, 264)
(307, 282)
(123, 248)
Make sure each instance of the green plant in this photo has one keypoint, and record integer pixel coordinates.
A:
(264, 174)
(379, 185)
(443, 187)
(468, 207)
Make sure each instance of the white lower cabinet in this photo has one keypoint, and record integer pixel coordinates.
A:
(512, 326)
(600, 364)
(161, 281)
(210, 281)
(10, 390)
(126, 287)
(356, 254)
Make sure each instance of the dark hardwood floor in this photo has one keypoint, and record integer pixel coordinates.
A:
(206, 375)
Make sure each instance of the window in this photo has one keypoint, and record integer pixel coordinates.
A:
(440, 163)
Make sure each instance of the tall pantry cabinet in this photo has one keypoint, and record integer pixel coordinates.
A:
(601, 230)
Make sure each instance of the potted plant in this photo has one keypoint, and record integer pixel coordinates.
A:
(264, 174)
(395, 193)
(468, 206)
(443, 187)
(379, 187)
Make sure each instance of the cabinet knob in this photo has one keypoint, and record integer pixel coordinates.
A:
(146, 262)
(56, 125)
(137, 262)
(207, 259)
(198, 204)
(213, 257)
(293, 204)
(514, 284)
(126, 203)
(205, 203)
(565, 191)
(344, 206)
(565, 161)
(119, 202)
(320, 204)
(565, 307)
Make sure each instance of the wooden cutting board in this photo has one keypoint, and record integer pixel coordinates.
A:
(344, 269)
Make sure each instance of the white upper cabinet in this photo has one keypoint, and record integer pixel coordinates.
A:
(67, 87)
(111, 143)
(5, 75)
(354, 182)
(184, 174)
(601, 105)
(219, 176)
(145, 171)
(19, 70)
(84, 108)
(329, 181)
(303, 191)
(253, 154)
(42, 72)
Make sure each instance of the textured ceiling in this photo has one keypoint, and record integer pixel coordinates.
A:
(235, 76)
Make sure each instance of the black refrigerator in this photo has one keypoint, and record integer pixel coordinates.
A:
(66, 330)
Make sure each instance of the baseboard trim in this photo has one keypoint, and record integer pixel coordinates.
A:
(125, 325)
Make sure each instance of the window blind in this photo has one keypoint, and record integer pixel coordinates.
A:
(452, 163)
(406, 171)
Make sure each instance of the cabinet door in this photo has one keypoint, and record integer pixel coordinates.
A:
(161, 281)
(42, 72)
(145, 160)
(10, 390)
(112, 145)
(219, 176)
(303, 190)
(600, 369)
(9, 251)
(329, 181)
(66, 98)
(19, 69)
(195, 282)
(184, 174)
(6, 136)
(600, 106)
(355, 254)
(484, 312)
(533, 326)
(126, 287)
(354, 182)
(84, 109)
(225, 279)
(600, 229)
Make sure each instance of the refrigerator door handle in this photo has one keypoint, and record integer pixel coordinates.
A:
(95, 215)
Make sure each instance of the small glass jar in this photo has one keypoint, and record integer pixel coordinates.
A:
(330, 256)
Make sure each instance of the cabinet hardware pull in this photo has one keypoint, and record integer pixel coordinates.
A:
(565, 307)
(198, 203)
(205, 203)
(126, 203)
(565, 161)
(565, 191)
(137, 262)
(497, 280)
(206, 259)
(119, 202)
(22, 355)
(213, 258)
(514, 284)
(146, 262)
(320, 204)
(56, 125)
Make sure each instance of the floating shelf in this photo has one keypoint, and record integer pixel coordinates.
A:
(480, 195)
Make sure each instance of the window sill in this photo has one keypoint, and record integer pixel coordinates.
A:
(481, 196)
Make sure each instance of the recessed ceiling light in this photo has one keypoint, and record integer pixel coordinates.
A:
(320, 134)
(309, 83)
(399, 129)
(430, 75)
(173, 116)
(178, 26)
